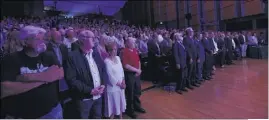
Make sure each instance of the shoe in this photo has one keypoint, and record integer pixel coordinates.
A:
(132, 115)
(141, 110)
(191, 88)
(195, 85)
(179, 92)
(185, 90)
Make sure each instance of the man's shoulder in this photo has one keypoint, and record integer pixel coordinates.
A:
(74, 53)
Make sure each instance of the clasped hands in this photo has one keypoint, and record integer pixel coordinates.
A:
(98, 90)
(121, 84)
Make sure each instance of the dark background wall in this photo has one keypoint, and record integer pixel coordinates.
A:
(22, 8)
(206, 15)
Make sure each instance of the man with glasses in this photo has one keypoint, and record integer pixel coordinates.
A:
(85, 73)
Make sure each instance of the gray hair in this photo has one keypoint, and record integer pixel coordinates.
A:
(30, 32)
(84, 33)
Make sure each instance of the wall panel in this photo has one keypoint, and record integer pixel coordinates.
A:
(252, 7)
(171, 12)
(208, 5)
(195, 19)
(194, 9)
(209, 16)
(181, 23)
(181, 9)
(228, 12)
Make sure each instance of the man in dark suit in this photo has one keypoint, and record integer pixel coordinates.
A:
(201, 56)
(60, 52)
(243, 40)
(154, 54)
(180, 59)
(229, 48)
(222, 50)
(213, 47)
(85, 73)
(208, 55)
(192, 57)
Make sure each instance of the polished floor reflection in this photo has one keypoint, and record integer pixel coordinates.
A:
(237, 91)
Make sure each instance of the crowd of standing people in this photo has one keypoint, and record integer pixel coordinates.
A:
(81, 68)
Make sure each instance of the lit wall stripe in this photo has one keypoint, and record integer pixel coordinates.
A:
(242, 8)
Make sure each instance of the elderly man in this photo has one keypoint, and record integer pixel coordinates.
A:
(29, 78)
(70, 38)
(180, 58)
(132, 66)
(154, 54)
(208, 57)
(85, 73)
(192, 58)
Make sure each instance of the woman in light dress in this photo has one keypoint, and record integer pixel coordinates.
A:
(115, 103)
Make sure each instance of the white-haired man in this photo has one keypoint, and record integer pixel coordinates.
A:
(29, 80)
(85, 73)
(180, 58)
(192, 58)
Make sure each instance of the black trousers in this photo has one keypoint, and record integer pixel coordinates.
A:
(154, 64)
(132, 91)
(191, 73)
(229, 56)
(181, 77)
(221, 58)
(207, 65)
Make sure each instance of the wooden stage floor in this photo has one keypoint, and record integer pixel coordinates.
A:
(237, 91)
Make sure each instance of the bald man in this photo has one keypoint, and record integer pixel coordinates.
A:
(85, 73)
(132, 71)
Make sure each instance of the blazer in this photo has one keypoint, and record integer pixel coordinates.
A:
(78, 74)
(200, 50)
(153, 49)
(228, 43)
(191, 48)
(206, 45)
(63, 49)
(179, 54)
(241, 39)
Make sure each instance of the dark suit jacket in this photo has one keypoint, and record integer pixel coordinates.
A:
(200, 50)
(78, 74)
(206, 45)
(179, 54)
(191, 48)
(63, 49)
(211, 44)
(237, 42)
(75, 46)
(241, 39)
(221, 44)
(153, 49)
(228, 43)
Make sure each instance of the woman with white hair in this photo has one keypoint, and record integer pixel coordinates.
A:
(101, 46)
(23, 73)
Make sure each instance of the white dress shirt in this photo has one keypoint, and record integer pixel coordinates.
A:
(94, 72)
(216, 46)
(67, 42)
(233, 43)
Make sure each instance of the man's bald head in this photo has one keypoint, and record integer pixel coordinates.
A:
(85, 39)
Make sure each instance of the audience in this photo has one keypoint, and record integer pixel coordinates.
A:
(95, 80)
